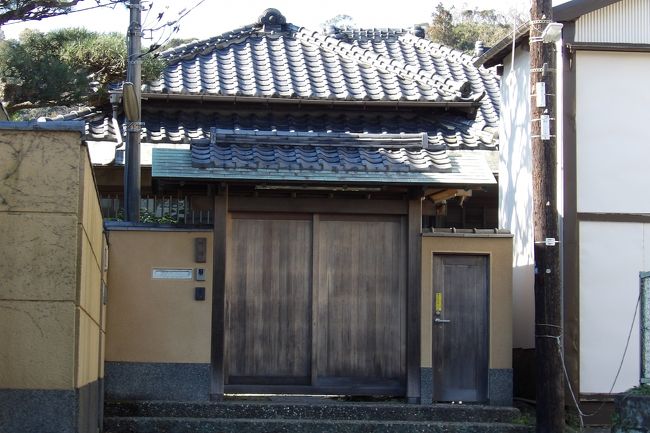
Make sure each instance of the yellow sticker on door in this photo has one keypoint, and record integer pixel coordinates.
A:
(438, 302)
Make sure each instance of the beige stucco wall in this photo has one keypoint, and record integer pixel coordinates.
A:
(90, 309)
(49, 225)
(37, 344)
(499, 251)
(157, 320)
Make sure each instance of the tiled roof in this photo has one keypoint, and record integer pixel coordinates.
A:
(335, 152)
(183, 126)
(273, 59)
(297, 164)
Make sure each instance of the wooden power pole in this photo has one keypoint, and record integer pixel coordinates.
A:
(548, 292)
(134, 126)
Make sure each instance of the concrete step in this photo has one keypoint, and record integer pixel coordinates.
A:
(237, 425)
(312, 410)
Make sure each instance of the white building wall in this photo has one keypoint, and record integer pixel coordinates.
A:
(613, 142)
(613, 151)
(627, 21)
(611, 257)
(516, 191)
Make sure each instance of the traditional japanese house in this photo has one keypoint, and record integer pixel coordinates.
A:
(299, 168)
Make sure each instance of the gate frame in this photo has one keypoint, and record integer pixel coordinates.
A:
(410, 207)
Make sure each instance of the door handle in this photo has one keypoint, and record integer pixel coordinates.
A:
(437, 320)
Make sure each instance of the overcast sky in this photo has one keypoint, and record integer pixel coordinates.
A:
(213, 17)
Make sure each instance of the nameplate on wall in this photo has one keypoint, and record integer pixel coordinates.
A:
(172, 274)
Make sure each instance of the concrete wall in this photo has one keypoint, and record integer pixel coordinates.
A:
(50, 321)
(498, 249)
(158, 335)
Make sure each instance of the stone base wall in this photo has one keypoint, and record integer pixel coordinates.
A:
(157, 381)
(51, 411)
(499, 386)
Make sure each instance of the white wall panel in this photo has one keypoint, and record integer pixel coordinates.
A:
(515, 191)
(627, 21)
(611, 257)
(613, 138)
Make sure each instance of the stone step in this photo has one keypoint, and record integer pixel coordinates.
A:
(236, 425)
(312, 411)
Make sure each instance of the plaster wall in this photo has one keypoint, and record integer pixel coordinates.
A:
(612, 138)
(153, 320)
(611, 257)
(499, 251)
(50, 312)
(38, 345)
(39, 205)
(90, 309)
(516, 191)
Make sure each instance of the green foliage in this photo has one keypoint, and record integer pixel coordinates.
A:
(643, 389)
(26, 10)
(442, 26)
(461, 29)
(59, 67)
(147, 217)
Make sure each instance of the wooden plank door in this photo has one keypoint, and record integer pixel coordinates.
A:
(460, 327)
(268, 300)
(361, 303)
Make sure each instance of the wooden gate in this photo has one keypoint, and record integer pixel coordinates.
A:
(316, 304)
(460, 327)
(268, 301)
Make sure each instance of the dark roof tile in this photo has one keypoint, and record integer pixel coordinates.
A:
(375, 64)
(186, 125)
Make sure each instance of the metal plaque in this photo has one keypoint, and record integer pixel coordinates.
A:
(540, 94)
(172, 274)
(545, 119)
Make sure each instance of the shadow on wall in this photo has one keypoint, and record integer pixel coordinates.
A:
(515, 196)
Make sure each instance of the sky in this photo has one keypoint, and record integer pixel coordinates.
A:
(213, 17)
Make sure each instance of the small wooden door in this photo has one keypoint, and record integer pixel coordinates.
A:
(460, 327)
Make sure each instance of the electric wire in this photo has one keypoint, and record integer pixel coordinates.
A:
(148, 11)
(582, 414)
(174, 25)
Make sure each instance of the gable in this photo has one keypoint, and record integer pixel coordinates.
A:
(623, 22)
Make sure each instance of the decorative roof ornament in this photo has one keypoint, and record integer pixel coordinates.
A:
(272, 20)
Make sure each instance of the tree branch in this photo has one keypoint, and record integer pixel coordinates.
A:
(36, 10)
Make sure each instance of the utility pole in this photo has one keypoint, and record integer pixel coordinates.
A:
(134, 126)
(548, 295)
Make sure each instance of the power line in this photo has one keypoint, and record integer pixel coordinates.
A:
(182, 14)
(173, 25)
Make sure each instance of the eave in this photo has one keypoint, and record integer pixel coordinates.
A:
(298, 102)
(495, 55)
(572, 10)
